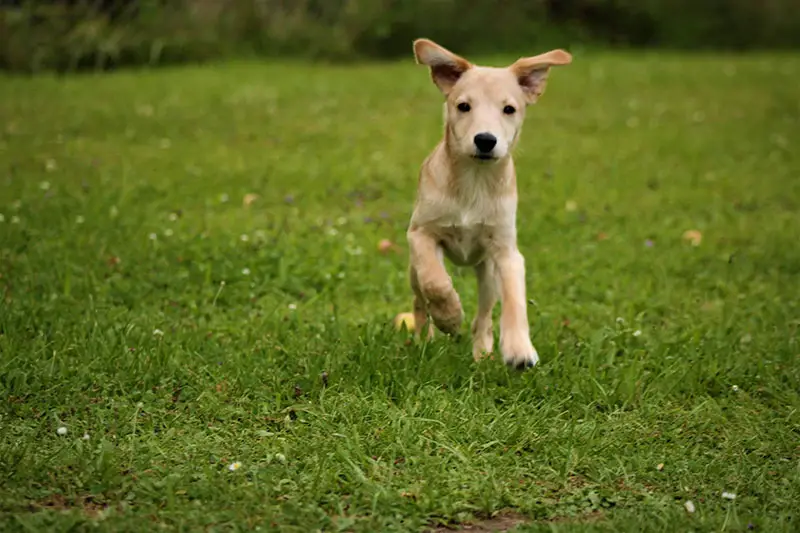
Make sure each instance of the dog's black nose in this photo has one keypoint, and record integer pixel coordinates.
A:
(485, 142)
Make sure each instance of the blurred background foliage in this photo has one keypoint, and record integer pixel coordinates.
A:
(70, 35)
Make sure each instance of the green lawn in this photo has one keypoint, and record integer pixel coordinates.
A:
(173, 331)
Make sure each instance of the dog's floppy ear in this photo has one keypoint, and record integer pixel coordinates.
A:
(446, 67)
(532, 72)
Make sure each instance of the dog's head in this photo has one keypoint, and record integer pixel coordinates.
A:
(485, 106)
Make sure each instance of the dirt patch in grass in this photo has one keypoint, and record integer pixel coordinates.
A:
(507, 521)
(502, 522)
(58, 502)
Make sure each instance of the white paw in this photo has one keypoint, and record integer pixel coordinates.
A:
(518, 351)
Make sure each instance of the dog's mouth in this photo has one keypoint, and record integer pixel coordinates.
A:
(484, 157)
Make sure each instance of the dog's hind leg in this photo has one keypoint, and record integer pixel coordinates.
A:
(482, 334)
(434, 284)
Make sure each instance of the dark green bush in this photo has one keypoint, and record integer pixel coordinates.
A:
(71, 35)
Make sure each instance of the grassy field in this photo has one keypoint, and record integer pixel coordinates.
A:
(178, 328)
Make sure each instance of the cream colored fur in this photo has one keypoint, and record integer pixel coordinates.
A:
(466, 205)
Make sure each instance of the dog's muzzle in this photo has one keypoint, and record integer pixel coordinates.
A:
(484, 144)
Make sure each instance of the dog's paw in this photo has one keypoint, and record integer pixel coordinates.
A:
(518, 351)
(447, 313)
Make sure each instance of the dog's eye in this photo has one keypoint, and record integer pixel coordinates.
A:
(509, 110)
(463, 107)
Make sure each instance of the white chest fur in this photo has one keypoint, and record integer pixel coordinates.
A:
(466, 227)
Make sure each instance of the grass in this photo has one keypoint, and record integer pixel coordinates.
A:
(145, 306)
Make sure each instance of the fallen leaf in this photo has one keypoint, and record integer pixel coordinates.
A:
(404, 319)
(385, 246)
(571, 205)
(602, 236)
(693, 236)
(249, 199)
(660, 467)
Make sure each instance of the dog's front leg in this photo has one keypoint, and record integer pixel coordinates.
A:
(515, 342)
(433, 282)
(420, 307)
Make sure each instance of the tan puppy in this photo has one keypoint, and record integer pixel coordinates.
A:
(466, 206)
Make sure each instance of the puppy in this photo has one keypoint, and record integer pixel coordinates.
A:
(466, 204)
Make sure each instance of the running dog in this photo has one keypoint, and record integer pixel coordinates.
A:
(466, 204)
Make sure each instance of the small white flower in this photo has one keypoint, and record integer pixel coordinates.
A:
(158, 333)
(45, 185)
(341, 221)
(637, 333)
(355, 251)
(280, 457)
(14, 219)
(245, 271)
(340, 275)
(729, 495)
(234, 466)
(79, 219)
(689, 506)
(327, 275)
(173, 217)
(2, 217)
(50, 166)
(113, 212)
(85, 436)
(62, 431)
(735, 388)
(244, 237)
(168, 232)
(292, 307)
(620, 320)
(223, 198)
(571, 205)
(139, 405)
(152, 236)
(332, 232)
